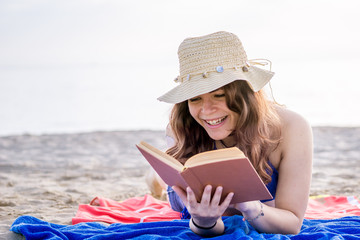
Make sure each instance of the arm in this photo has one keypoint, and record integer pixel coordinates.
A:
(295, 153)
(294, 181)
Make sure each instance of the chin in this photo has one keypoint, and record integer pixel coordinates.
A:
(218, 134)
(218, 137)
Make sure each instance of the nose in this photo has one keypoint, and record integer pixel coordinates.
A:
(207, 106)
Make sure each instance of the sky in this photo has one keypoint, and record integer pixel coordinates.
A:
(111, 59)
(87, 32)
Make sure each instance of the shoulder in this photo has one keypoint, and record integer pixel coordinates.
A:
(296, 132)
(296, 137)
(292, 122)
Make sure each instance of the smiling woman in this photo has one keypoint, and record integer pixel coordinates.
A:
(220, 103)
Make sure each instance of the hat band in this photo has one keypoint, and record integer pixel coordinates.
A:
(220, 69)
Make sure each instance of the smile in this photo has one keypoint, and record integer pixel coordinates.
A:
(215, 121)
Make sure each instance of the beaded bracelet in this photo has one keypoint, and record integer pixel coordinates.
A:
(261, 213)
(205, 228)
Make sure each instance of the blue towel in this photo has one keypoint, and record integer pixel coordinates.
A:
(33, 228)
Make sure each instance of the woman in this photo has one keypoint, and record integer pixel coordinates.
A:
(219, 103)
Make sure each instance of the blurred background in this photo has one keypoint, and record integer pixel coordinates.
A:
(89, 65)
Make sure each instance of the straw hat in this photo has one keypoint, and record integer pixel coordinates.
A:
(210, 62)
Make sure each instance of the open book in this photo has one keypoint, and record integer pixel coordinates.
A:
(228, 168)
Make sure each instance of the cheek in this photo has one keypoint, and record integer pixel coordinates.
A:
(194, 112)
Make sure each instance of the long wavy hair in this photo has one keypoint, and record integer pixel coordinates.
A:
(257, 131)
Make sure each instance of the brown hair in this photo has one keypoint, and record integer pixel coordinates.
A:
(257, 131)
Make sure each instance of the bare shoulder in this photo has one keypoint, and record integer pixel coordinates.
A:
(296, 133)
(291, 121)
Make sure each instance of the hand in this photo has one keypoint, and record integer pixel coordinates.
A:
(209, 210)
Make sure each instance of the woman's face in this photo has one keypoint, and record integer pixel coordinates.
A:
(212, 113)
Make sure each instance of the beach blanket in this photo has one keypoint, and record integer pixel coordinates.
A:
(132, 210)
(33, 228)
(330, 207)
(149, 209)
(339, 219)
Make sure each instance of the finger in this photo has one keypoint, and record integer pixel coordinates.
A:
(217, 196)
(205, 199)
(225, 204)
(191, 198)
(181, 193)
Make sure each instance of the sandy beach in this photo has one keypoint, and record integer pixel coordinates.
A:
(48, 176)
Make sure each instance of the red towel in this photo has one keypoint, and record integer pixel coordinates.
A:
(133, 210)
(331, 207)
(149, 209)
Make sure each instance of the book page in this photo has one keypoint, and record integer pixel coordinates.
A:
(214, 156)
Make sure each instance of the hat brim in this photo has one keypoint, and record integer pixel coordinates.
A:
(197, 85)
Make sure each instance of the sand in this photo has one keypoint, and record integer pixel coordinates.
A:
(48, 176)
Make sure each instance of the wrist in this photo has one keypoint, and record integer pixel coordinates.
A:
(203, 226)
(254, 213)
(248, 208)
(216, 228)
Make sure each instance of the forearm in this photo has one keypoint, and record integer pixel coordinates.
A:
(273, 220)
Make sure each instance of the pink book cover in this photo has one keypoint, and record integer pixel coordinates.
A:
(234, 175)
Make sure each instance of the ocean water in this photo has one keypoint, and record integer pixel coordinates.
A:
(75, 66)
(38, 99)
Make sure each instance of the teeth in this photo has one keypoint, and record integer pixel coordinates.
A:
(215, 122)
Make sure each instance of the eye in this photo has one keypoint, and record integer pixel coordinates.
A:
(194, 99)
(220, 95)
